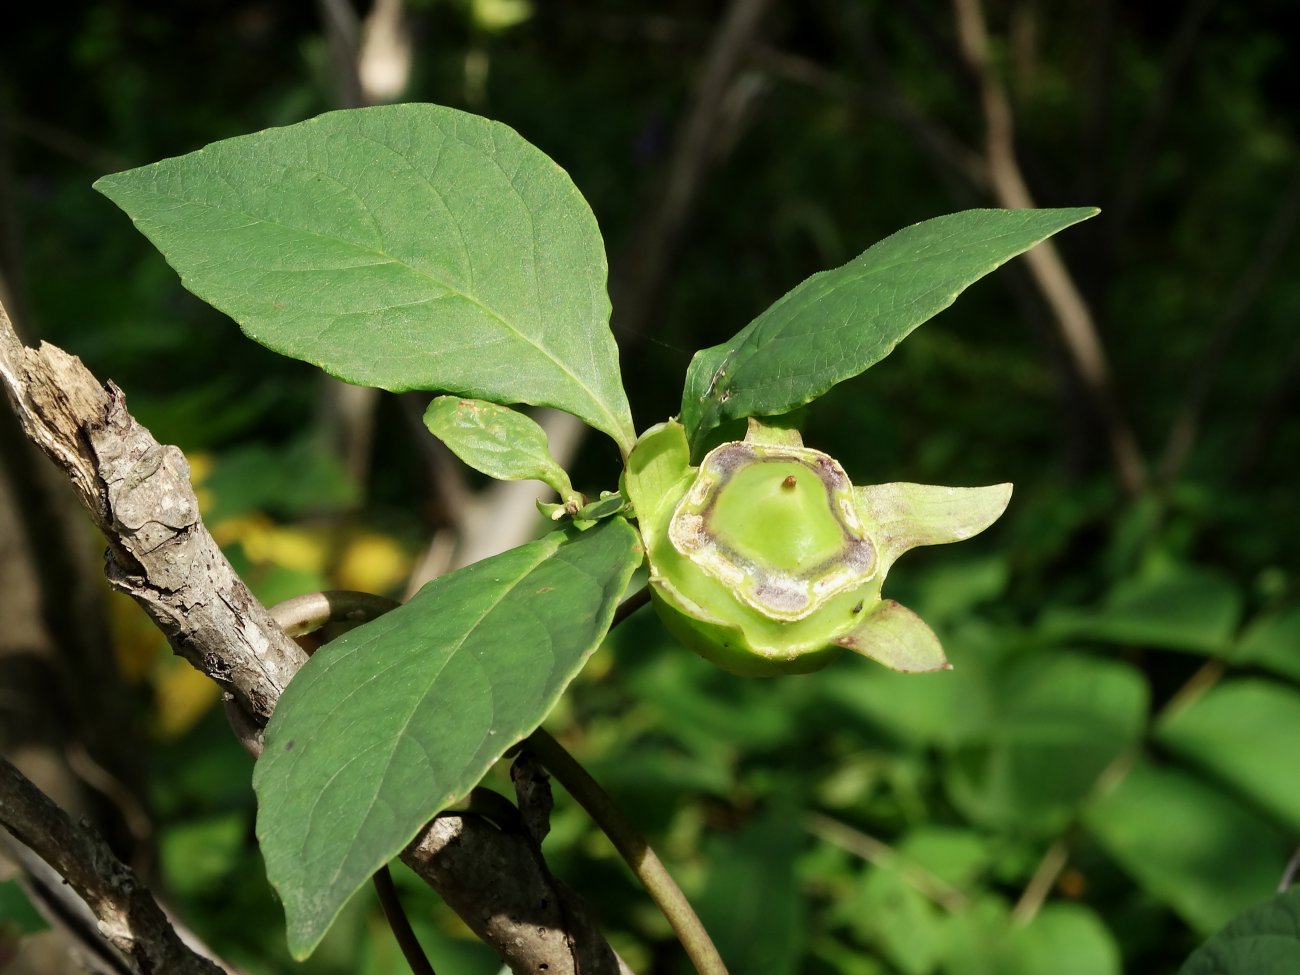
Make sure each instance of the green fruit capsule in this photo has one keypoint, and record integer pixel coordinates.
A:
(766, 560)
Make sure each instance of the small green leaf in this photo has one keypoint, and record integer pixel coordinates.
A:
(391, 722)
(605, 507)
(1189, 845)
(904, 516)
(402, 246)
(1265, 940)
(498, 441)
(1245, 733)
(838, 323)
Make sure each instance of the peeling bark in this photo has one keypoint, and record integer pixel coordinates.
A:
(138, 494)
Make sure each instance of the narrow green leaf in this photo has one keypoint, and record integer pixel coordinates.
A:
(403, 246)
(498, 441)
(838, 323)
(1188, 844)
(391, 722)
(1265, 940)
(1245, 733)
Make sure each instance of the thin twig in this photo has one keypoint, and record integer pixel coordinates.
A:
(129, 918)
(1289, 874)
(634, 849)
(630, 606)
(1057, 855)
(881, 854)
(400, 924)
(1073, 317)
(696, 147)
(1043, 880)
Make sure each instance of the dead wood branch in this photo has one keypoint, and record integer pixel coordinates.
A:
(129, 918)
(138, 494)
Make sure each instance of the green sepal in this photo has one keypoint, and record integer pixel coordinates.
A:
(902, 516)
(895, 636)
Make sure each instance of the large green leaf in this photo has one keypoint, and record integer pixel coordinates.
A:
(752, 904)
(838, 323)
(1184, 608)
(405, 246)
(1063, 718)
(1063, 939)
(1188, 844)
(391, 722)
(1265, 940)
(1245, 733)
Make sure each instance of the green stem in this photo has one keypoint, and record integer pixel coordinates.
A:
(634, 849)
(400, 924)
(630, 606)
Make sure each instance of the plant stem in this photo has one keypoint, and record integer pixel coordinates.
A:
(400, 923)
(634, 849)
(630, 605)
(1289, 875)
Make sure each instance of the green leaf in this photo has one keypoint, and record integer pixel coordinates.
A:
(1245, 733)
(497, 441)
(199, 857)
(1064, 939)
(752, 905)
(945, 708)
(1265, 940)
(838, 323)
(1273, 642)
(17, 912)
(1063, 718)
(1188, 844)
(1186, 608)
(391, 722)
(405, 247)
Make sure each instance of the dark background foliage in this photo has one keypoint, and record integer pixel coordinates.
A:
(1104, 779)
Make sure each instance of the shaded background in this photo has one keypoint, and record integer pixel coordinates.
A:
(1108, 775)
